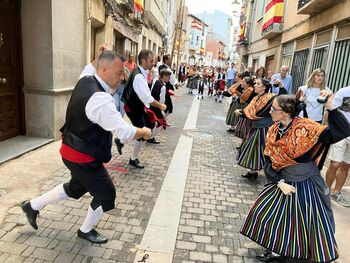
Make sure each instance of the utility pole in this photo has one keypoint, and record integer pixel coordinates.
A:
(182, 11)
(178, 26)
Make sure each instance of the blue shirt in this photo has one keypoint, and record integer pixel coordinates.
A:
(231, 73)
(286, 82)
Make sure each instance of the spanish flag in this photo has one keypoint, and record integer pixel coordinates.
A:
(273, 13)
(139, 5)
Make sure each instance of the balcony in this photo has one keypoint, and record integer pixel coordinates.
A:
(272, 31)
(312, 7)
(155, 16)
(126, 6)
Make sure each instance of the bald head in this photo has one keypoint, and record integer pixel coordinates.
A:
(284, 70)
(110, 68)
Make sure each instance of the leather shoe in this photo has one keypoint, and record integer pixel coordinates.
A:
(136, 163)
(119, 145)
(153, 140)
(30, 213)
(93, 236)
(250, 175)
(268, 257)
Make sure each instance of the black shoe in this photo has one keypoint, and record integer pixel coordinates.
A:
(231, 130)
(30, 213)
(136, 163)
(153, 140)
(220, 101)
(93, 236)
(250, 175)
(268, 257)
(119, 145)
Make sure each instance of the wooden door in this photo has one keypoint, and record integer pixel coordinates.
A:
(269, 65)
(10, 80)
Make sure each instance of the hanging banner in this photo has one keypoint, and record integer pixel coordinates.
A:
(273, 14)
(196, 24)
(139, 5)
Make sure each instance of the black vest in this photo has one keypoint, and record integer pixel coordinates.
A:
(129, 96)
(168, 85)
(157, 89)
(78, 131)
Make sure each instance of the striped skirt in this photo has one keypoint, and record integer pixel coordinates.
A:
(251, 152)
(232, 118)
(243, 127)
(295, 226)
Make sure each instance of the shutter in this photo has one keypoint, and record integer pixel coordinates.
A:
(339, 76)
(299, 68)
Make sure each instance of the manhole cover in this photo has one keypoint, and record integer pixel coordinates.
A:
(200, 135)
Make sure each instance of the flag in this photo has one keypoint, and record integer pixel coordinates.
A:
(196, 24)
(139, 5)
(242, 33)
(273, 13)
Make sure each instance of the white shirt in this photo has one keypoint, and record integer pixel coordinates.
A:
(162, 94)
(100, 109)
(342, 99)
(88, 70)
(314, 109)
(162, 91)
(141, 87)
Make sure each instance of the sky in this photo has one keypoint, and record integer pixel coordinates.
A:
(200, 6)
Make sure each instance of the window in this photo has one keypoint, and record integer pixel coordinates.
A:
(339, 75)
(261, 8)
(299, 68)
(319, 59)
(287, 54)
(144, 42)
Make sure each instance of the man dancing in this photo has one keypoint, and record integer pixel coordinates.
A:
(137, 98)
(91, 119)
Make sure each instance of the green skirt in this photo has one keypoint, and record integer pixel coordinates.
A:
(232, 118)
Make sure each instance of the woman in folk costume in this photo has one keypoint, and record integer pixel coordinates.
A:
(244, 125)
(242, 86)
(251, 152)
(192, 79)
(292, 216)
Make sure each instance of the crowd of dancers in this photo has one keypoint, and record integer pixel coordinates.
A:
(286, 136)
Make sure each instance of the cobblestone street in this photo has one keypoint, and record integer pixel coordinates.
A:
(216, 200)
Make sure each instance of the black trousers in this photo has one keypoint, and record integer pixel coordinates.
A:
(93, 178)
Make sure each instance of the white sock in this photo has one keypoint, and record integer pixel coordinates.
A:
(275, 254)
(92, 217)
(52, 196)
(137, 150)
(157, 130)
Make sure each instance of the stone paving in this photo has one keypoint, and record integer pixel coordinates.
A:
(216, 200)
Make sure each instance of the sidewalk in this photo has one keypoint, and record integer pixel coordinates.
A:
(215, 199)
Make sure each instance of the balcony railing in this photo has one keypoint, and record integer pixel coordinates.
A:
(272, 31)
(126, 6)
(312, 7)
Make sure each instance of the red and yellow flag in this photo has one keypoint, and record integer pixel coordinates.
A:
(273, 13)
(139, 5)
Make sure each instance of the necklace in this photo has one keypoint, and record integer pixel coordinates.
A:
(283, 130)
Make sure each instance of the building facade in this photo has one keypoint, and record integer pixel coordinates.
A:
(197, 42)
(215, 51)
(304, 35)
(44, 46)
